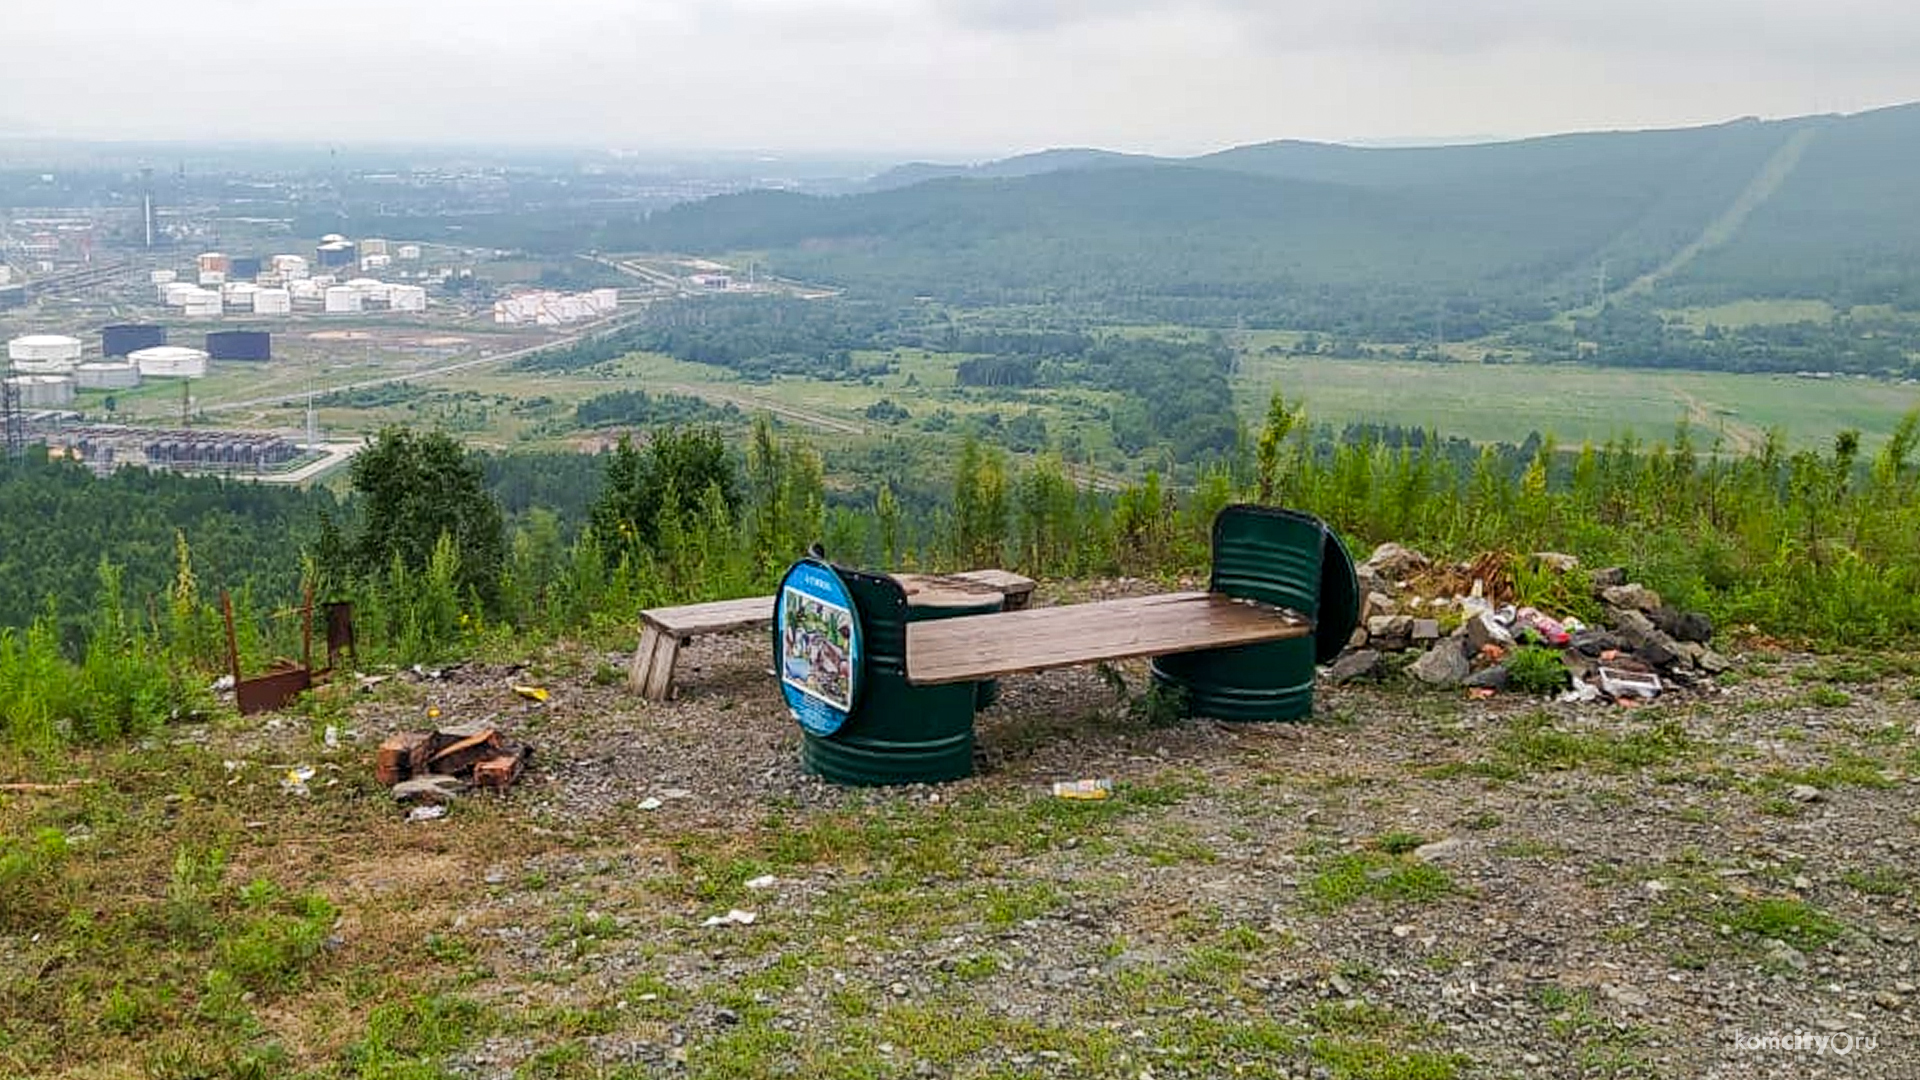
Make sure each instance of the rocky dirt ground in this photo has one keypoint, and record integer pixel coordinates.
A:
(1412, 885)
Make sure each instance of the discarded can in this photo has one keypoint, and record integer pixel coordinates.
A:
(1089, 790)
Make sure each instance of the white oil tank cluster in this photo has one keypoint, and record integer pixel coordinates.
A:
(170, 362)
(273, 302)
(545, 308)
(44, 354)
(107, 375)
(43, 391)
(161, 277)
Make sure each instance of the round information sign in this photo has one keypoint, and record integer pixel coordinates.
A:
(816, 646)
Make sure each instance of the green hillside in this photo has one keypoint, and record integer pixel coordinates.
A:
(1844, 225)
(1371, 241)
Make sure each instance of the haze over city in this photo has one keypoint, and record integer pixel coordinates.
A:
(958, 77)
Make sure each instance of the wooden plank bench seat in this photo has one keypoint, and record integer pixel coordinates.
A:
(664, 630)
(973, 647)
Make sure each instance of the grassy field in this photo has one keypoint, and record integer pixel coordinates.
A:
(1505, 402)
(499, 407)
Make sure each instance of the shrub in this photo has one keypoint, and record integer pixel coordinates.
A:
(1536, 669)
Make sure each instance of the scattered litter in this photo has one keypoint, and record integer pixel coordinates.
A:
(433, 712)
(1083, 789)
(223, 684)
(651, 802)
(532, 693)
(427, 813)
(766, 881)
(1619, 683)
(1480, 693)
(331, 737)
(294, 782)
(736, 916)
(676, 793)
(1582, 693)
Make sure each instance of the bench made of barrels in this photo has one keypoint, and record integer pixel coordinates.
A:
(664, 630)
(974, 647)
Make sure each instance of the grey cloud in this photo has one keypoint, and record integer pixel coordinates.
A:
(1164, 75)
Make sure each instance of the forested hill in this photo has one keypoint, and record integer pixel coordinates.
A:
(1368, 239)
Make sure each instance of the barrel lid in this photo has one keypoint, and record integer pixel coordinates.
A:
(817, 646)
(1339, 609)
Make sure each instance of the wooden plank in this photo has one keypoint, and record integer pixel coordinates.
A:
(974, 647)
(715, 617)
(657, 651)
(660, 667)
(664, 629)
(726, 616)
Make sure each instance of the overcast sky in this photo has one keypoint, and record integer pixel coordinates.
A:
(965, 78)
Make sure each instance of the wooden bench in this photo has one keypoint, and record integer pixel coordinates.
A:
(664, 630)
(973, 647)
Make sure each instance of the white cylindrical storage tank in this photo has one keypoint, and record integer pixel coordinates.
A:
(44, 391)
(325, 281)
(175, 293)
(213, 277)
(408, 252)
(107, 375)
(58, 350)
(170, 362)
(373, 290)
(286, 264)
(376, 262)
(239, 294)
(304, 291)
(407, 298)
(161, 277)
(272, 302)
(373, 246)
(344, 299)
(203, 304)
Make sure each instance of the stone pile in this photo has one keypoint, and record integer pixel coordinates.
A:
(1645, 646)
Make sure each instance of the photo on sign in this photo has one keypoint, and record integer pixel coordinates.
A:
(815, 640)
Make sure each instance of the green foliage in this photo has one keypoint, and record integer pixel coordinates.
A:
(416, 488)
(979, 505)
(653, 487)
(639, 408)
(1536, 669)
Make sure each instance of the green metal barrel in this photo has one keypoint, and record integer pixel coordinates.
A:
(1276, 557)
(899, 734)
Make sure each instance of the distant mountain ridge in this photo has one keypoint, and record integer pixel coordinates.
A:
(1319, 234)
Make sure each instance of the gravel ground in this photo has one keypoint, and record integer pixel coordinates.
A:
(1410, 885)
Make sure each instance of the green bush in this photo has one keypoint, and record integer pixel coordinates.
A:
(1536, 669)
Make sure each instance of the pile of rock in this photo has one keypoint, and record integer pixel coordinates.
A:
(1646, 645)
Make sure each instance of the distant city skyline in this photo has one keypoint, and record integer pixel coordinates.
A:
(959, 79)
